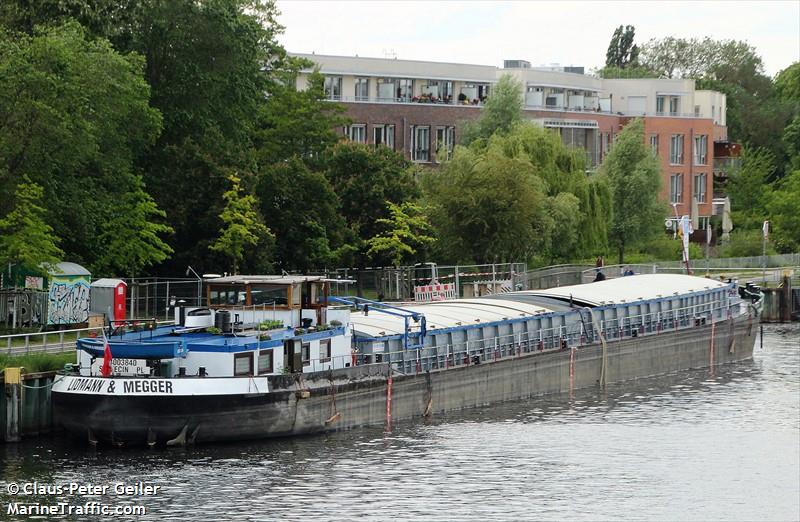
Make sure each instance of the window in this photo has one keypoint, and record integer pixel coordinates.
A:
(265, 362)
(676, 188)
(676, 149)
(305, 354)
(383, 135)
(659, 105)
(405, 89)
(437, 91)
(356, 133)
(696, 111)
(420, 143)
(674, 105)
(604, 144)
(445, 138)
(228, 295)
(262, 294)
(386, 87)
(325, 350)
(333, 87)
(654, 144)
(362, 89)
(700, 149)
(700, 188)
(243, 363)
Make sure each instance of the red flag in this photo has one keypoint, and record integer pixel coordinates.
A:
(105, 370)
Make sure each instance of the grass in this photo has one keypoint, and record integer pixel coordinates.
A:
(38, 339)
(39, 362)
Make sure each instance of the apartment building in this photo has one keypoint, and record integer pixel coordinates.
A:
(418, 107)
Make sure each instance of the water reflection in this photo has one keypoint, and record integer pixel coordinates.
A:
(690, 446)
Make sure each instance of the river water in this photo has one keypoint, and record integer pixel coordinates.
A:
(689, 446)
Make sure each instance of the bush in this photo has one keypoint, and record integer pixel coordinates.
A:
(271, 324)
(744, 243)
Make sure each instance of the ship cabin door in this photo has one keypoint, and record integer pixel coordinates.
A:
(292, 356)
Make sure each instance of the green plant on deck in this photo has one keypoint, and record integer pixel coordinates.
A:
(335, 323)
(265, 337)
(213, 330)
(270, 324)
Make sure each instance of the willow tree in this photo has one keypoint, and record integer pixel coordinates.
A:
(634, 176)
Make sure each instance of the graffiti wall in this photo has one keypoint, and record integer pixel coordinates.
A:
(68, 300)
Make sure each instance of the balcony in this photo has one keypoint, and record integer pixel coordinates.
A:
(421, 99)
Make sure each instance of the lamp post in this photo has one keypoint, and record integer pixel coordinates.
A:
(199, 284)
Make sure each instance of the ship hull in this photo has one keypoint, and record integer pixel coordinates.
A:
(357, 396)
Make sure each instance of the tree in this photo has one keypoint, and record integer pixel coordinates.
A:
(302, 210)
(364, 179)
(25, 236)
(130, 240)
(487, 207)
(787, 82)
(406, 233)
(503, 110)
(242, 226)
(75, 116)
(622, 52)
(634, 177)
(749, 189)
(784, 203)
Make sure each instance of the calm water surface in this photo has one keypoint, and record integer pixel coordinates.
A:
(690, 446)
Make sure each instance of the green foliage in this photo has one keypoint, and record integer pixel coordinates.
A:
(25, 236)
(622, 53)
(748, 188)
(130, 239)
(213, 330)
(242, 226)
(406, 233)
(634, 177)
(40, 362)
(270, 324)
(744, 243)
(301, 209)
(364, 179)
(638, 71)
(487, 206)
(561, 213)
(297, 123)
(75, 118)
(784, 213)
(502, 112)
(787, 83)
(791, 143)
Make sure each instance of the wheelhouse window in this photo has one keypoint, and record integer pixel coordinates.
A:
(325, 350)
(362, 89)
(231, 295)
(333, 87)
(265, 362)
(383, 135)
(676, 188)
(266, 294)
(305, 354)
(420, 143)
(243, 364)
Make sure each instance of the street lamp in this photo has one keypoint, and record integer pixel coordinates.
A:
(199, 283)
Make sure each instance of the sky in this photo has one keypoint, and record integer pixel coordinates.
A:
(542, 32)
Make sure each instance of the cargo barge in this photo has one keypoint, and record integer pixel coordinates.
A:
(277, 356)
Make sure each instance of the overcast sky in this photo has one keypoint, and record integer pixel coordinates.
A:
(542, 32)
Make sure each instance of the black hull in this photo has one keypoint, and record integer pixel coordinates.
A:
(357, 396)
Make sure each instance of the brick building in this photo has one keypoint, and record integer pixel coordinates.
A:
(418, 107)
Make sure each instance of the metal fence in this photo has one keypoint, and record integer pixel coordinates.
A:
(397, 283)
(151, 297)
